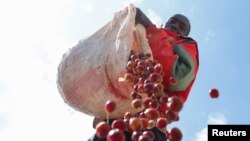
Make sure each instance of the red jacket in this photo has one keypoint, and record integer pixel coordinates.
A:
(179, 58)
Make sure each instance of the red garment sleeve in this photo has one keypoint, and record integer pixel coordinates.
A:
(151, 29)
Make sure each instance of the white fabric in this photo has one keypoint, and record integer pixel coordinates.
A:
(88, 73)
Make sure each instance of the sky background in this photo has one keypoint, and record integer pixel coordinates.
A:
(34, 34)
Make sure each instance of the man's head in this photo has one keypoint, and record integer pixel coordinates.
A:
(179, 24)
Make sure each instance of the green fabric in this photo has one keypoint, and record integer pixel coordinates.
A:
(183, 69)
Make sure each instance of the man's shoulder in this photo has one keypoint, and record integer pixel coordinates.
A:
(188, 39)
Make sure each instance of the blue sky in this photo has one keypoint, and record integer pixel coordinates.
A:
(35, 34)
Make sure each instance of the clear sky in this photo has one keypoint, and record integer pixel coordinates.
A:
(35, 33)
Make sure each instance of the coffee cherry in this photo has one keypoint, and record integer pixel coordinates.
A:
(102, 129)
(144, 138)
(159, 89)
(163, 99)
(214, 93)
(110, 106)
(119, 124)
(130, 65)
(175, 103)
(151, 124)
(115, 135)
(135, 135)
(172, 81)
(158, 68)
(149, 88)
(154, 104)
(150, 69)
(146, 102)
(139, 69)
(150, 134)
(171, 116)
(135, 124)
(151, 113)
(137, 103)
(161, 123)
(155, 78)
(128, 115)
(134, 95)
(176, 134)
(144, 121)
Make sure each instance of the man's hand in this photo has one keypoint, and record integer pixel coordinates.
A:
(142, 18)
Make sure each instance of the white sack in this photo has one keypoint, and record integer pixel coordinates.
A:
(88, 73)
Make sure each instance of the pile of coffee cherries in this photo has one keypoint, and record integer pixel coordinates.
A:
(159, 109)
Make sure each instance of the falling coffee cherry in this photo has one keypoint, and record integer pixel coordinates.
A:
(110, 106)
(161, 123)
(135, 124)
(214, 93)
(175, 103)
(119, 124)
(172, 81)
(102, 129)
(115, 135)
(176, 134)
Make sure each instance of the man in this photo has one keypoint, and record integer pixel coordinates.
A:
(178, 55)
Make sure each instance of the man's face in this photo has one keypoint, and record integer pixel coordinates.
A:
(177, 26)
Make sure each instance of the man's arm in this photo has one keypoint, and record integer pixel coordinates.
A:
(141, 18)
